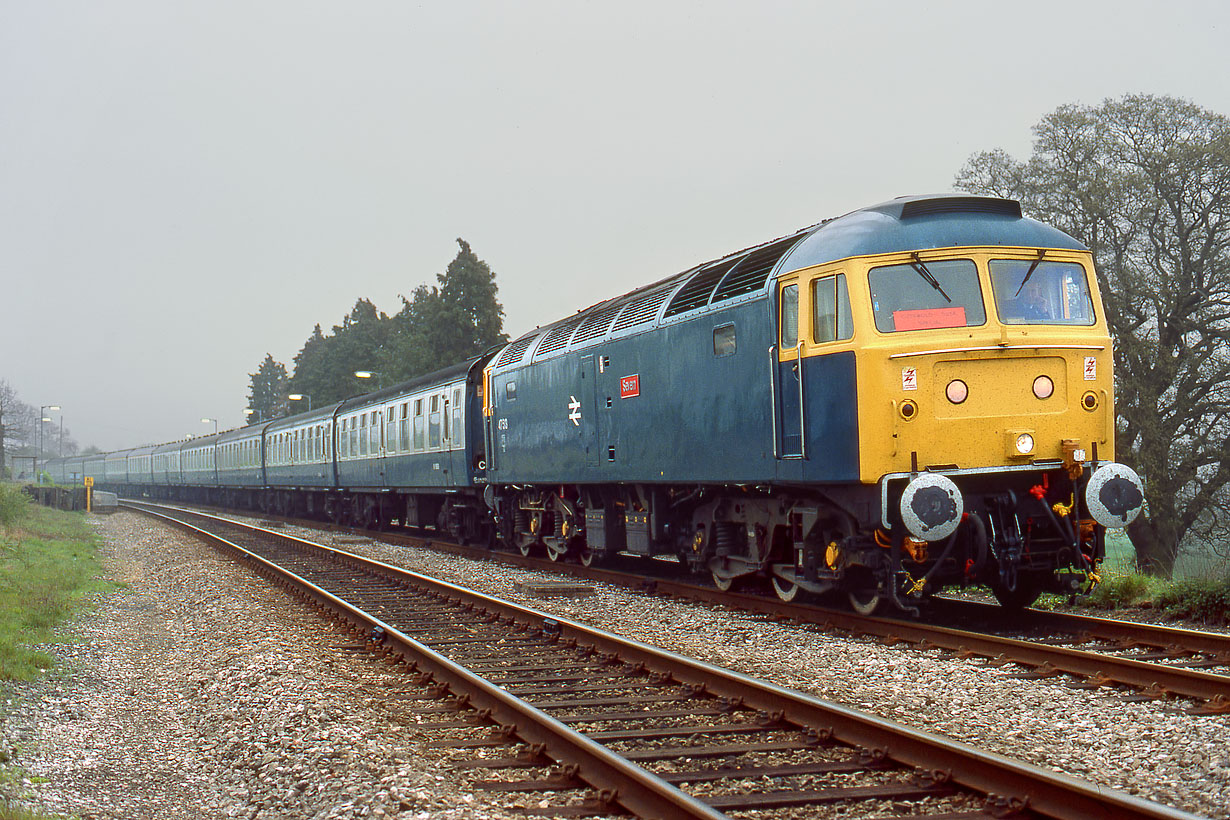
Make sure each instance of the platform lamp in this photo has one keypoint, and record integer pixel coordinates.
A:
(371, 374)
(301, 397)
(42, 419)
(207, 421)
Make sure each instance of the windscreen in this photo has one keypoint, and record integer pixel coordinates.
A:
(926, 295)
(1032, 292)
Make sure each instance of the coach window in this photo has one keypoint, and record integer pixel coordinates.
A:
(724, 340)
(419, 443)
(433, 424)
(831, 317)
(404, 428)
(458, 435)
(364, 435)
(790, 317)
(376, 424)
(354, 435)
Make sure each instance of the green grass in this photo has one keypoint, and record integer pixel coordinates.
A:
(48, 566)
(1198, 599)
(14, 505)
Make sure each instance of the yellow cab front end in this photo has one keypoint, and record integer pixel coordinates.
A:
(985, 407)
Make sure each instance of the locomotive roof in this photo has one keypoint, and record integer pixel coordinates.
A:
(925, 222)
(906, 223)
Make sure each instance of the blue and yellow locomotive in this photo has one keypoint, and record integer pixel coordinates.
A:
(913, 395)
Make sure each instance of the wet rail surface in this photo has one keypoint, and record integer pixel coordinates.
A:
(603, 725)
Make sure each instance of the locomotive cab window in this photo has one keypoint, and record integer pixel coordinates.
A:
(832, 320)
(724, 340)
(1035, 292)
(925, 295)
(790, 317)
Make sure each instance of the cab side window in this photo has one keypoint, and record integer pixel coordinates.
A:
(790, 316)
(831, 317)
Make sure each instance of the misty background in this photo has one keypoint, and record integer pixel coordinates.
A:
(187, 187)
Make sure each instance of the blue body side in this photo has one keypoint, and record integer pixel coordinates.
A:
(699, 417)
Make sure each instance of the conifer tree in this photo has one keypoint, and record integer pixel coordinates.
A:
(267, 394)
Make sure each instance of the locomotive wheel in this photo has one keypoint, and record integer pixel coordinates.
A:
(556, 551)
(865, 601)
(1026, 592)
(722, 582)
(586, 556)
(785, 590)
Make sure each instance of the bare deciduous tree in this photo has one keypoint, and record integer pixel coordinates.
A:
(1144, 181)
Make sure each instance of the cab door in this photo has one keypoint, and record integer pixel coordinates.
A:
(788, 382)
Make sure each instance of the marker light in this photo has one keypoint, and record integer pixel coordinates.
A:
(1024, 443)
(1044, 388)
(956, 391)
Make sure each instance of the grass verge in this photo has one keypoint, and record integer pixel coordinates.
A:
(48, 565)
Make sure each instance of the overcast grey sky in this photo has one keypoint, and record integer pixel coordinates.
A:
(186, 186)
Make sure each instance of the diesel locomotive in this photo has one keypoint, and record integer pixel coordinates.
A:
(915, 395)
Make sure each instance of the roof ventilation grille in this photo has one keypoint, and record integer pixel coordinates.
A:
(557, 337)
(697, 291)
(597, 324)
(513, 352)
(641, 309)
(750, 274)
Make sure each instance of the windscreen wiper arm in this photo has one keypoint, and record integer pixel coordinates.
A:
(1030, 272)
(930, 277)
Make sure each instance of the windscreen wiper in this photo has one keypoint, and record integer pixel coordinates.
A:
(1030, 272)
(930, 277)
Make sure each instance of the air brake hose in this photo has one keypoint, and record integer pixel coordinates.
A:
(952, 542)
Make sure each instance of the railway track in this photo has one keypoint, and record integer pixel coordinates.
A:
(1149, 662)
(542, 704)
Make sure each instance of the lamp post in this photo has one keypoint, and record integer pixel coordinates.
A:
(207, 421)
(301, 397)
(371, 374)
(42, 418)
(249, 412)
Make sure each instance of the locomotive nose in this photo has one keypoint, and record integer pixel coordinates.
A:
(931, 507)
(1114, 495)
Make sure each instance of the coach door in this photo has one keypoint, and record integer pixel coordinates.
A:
(379, 444)
(453, 457)
(786, 367)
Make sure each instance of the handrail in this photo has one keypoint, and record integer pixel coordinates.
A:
(773, 396)
(798, 364)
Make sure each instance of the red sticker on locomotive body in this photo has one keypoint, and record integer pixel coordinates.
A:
(630, 386)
